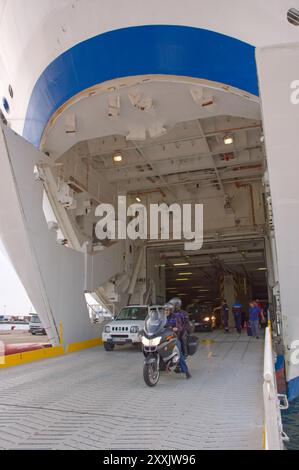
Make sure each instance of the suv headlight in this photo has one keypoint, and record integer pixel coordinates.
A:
(134, 329)
(107, 329)
(207, 319)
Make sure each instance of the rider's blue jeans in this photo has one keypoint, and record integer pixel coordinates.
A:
(183, 364)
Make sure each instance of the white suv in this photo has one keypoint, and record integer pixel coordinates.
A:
(126, 326)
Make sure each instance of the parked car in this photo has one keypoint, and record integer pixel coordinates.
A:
(126, 326)
(202, 317)
(35, 326)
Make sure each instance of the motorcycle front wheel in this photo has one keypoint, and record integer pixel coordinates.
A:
(151, 374)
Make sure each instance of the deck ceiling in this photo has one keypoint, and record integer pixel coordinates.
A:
(191, 155)
(170, 133)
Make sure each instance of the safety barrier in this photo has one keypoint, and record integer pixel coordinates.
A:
(30, 356)
(45, 353)
(273, 431)
(91, 343)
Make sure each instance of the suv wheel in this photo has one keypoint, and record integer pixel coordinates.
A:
(109, 346)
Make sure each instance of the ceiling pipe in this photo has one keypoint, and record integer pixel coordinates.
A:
(183, 139)
(247, 167)
(143, 193)
(177, 158)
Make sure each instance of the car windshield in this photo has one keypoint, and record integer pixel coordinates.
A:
(155, 321)
(199, 309)
(35, 319)
(205, 310)
(132, 313)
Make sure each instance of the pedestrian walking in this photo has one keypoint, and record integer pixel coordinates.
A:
(237, 312)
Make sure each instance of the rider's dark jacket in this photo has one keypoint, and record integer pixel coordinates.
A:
(175, 321)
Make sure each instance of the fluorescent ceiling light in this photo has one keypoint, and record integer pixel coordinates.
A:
(138, 199)
(262, 269)
(181, 264)
(185, 274)
(183, 279)
(228, 139)
(117, 158)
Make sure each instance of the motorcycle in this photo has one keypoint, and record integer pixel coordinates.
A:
(160, 348)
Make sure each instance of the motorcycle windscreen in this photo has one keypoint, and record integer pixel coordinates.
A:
(154, 323)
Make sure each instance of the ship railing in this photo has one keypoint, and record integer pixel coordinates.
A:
(274, 435)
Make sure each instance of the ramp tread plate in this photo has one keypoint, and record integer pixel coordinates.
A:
(94, 400)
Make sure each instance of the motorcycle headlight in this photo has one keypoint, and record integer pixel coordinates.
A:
(145, 341)
(134, 329)
(156, 341)
(151, 342)
(207, 319)
(107, 329)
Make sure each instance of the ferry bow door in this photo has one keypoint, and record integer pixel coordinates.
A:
(53, 276)
(278, 73)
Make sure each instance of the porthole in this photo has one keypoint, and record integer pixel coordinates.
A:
(293, 16)
(5, 105)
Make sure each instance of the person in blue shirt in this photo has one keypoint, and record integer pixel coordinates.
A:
(174, 321)
(254, 316)
(237, 312)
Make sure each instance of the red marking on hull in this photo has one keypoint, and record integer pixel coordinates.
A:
(23, 347)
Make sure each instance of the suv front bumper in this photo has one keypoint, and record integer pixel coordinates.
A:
(131, 338)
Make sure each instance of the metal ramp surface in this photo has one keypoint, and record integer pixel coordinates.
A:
(98, 400)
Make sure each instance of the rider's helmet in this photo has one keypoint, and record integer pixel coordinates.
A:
(176, 302)
(168, 307)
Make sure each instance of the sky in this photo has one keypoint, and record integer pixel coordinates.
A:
(13, 297)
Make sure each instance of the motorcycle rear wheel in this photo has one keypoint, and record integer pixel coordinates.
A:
(151, 374)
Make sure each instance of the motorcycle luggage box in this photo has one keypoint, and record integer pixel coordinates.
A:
(192, 345)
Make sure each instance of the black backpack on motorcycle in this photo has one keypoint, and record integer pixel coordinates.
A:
(192, 343)
(187, 324)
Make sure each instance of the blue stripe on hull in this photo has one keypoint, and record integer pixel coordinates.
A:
(140, 50)
(293, 389)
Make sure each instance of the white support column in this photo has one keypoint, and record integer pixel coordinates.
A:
(229, 295)
(278, 69)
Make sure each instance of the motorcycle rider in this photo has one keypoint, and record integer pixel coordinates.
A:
(186, 330)
(175, 322)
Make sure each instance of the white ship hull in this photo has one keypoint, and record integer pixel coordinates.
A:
(62, 62)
